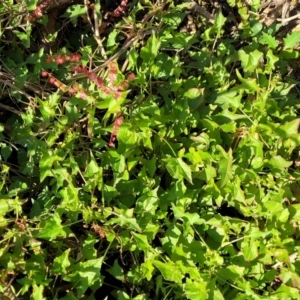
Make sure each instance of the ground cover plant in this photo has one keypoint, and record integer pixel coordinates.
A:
(149, 150)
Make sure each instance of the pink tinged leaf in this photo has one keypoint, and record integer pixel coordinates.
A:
(82, 95)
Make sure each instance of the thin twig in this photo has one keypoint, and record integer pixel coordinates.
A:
(201, 11)
(292, 258)
(3, 106)
(95, 27)
(8, 83)
(264, 5)
(113, 57)
(141, 33)
(96, 31)
(9, 291)
(289, 19)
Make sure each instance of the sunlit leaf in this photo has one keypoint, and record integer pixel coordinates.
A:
(225, 166)
(169, 271)
(278, 162)
(150, 50)
(61, 263)
(292, 40)
(195, 290)
(179, 169)
(269, 40)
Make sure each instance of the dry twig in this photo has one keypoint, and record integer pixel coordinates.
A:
(201, 11)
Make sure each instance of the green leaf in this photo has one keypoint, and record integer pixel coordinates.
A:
(219, 22)
(74, 11)
(61, 263)
(31, 4)
(232, 116)
(127, 137)
(254, 60)
(178, 169)
(124, 217)
(290, 278)
(282, 255)
(88, 247)
(255, 5)
(251, 61)
(208, 173)
(272, 59)
(273, 207)
(140, 297)
(150, 51)
(225, 165)
(288, 129)
(232, 272)
(174, 18)
(117, 271)
(52, 228)
(147, 269)
(229, 99)
(214, 292)
(178, 40)
(141, 241)
(69, 296)
(249, 83)
(24, 37)
(195, 98)
(38, 291)
(256, 28)
(148, 202)
(295, 209)
(150, 166)
(169, 271)
(249, 249)
(231, 2)
(7, 205)
(192, 218)
(289, 54)
(70, 197)
(123, 296)
(269, 40)
(85, 274)
(291, 40)
(35, 58)
(111, 40)
(278, 162)
(195, 290)
(286, 292)
(243, 12)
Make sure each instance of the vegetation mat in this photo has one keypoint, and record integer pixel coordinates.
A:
(149, 149)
